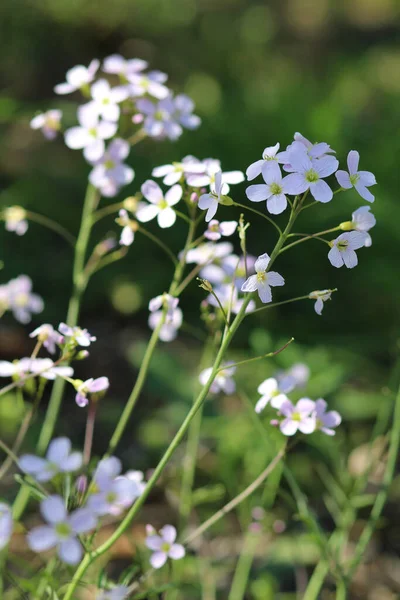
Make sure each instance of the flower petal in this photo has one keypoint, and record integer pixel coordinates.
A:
(262, 263)
(288, 427)
(277, 204)
(70, 551)
(295, 184)
(350, 258)
(364, 193)
(250, 285)
(168, 533)
(274, 279)
(321, 191)
(264, 291)
(173, 195)
(166, 217)
(353, 159)
(41, 538)
(176, 551)
(147, 212)
(258, 192)
(343, 179)
(254, 170)
(335, 257)
(58, 450)
(53, 509)
(158, 559)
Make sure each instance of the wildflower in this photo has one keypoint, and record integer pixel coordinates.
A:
(178, 170)
(151, 84)
(363, 221)
(62, 530)
(113, 492)
(90, 386)
(262, 281)
(6, 524)
(236, 268)
(106, 99)
(214, 197)
(326, 421)
(320, 296)
(297, 417)
(78, 78)
(118, 65)
(228, 297)
(273, 191)
(138, 478)
(90, 134)
(15, 218)
(164, 300)
(223, 380)
(270, 157)
(158, 118)
(212, 167)
(184, 107)
(317, 150)
(295, 377)
(59, 459)
(308, 175)
(271, 392)
(207, 252)
(48, 336)
(173, 318)
(76, 335)
(343, 248)
(216, 229)
(119, 592)
(129, 228)
(360, 180)
(160, 206)
(110, 173)
(163, 545)
(43, 367)
(49, 122)
(20, 299)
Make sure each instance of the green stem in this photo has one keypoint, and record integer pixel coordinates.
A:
(106, 211)
(310, 237)
(53, 225)
(260, 214)
(249, 360)
(157, 241)
(307, 297)
(243, 567)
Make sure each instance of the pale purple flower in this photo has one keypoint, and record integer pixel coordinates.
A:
(114, 492)
(160, 205)
(363, 221)
(119, 592)
(6, 524)
(89, 136)
(184, 107)
(343, 248)
(270, 157)
(211, 200)
(76, 335)
(164, 301)
(216, 230)
(295, 377)
(263, 281)
(223, 380)
(118, 65)
(163, 545)
(207, 252)
(90, 386)
(48, 336)
(15, 219)
(105, 99)
(59, 459)
(151, 84)
(43, 367)
(138, 478)
(235, 267)
(299, 417)
(326, 421)
(229, 299)
(273, 191)
(317, 150)
(127, 233)
(212, 167)
(308, 175)
(77, 78)
(110, 173)
(360, 180)
(271, 393)
(320, 296)
(159, 121)
(174, 173)
(49, 122)
(62, 530)
(20, 299)
(172, 322)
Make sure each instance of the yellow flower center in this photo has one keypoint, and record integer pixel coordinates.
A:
(261, 277)
(21, 300)
(312, 176)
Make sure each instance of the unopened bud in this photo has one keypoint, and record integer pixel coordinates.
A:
(81, 355)
(346, 226)
(194, 197)
(131, 203)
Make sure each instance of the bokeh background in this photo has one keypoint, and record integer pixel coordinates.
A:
(258, 72)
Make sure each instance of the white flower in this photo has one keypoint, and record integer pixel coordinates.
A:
(49, 122)
(110, 173)
(106, 99)
(296, 376)
(326, 421)
(62, 530)
(228, 297)
(15, 219)
(76, 335)
(211, 200)
(48, 336)
(163, 545)
(118, 65)
(127, 233)
(90, 386)
(363, 220)
(43, 367)
(207, 252)
(262, 281)
(160, 206)
(138, 478)
(78, 77)
(343, 249)
(59, 459)
(271, 392)
(174, 173)
(173, 318)
(299, 417)
(320, 296)
(20, 300)
(150, 83)
(212, 166)
(273, 190)
(114, 492)
(269, 157)
(223, 380)
(6, 525)
(90, 134)
(216, 230)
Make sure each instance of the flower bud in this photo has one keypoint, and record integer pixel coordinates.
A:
(346, 226)
(205, 285)
(131, 203)
(226, 201)
(81, 355)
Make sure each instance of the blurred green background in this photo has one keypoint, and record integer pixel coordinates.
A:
(258, 72)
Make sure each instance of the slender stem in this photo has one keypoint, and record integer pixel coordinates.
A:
(307, 297)
(53, 225)
(260, 214)
(157, 241)
(137, 137)
(249, 360)
(89, 432)
(189, 277)
(310, 237)
(242, 571)
(8, 451)
(182, 215)
(106, 211)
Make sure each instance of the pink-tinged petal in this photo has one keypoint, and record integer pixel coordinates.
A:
(154, 542)
(366, 178)
(250, 285)
(173, 195)
(318, 306)
(41, 538)
(158, 560)
(268, 387)
(307, 426)
(99, 384)
(350, 258)
(168, 533)
(295, 184)
(288, 427)
(152, 191)
(305, 405)
(147, 212)
(81, 400)
(353, 159)
(53, 509)
(166, 218)
(82, 520)
(326, 165)
(287, 408)
(262, 263)
(298, 137)
(321, 191)
(253, 171)
(77, 138)
(277, 204)
(264, 291)
(258, 192)
(343, 179)
(176, 552)
(364, 193)
(328, 431)
(274, 279)
(335, 257)
(70, 551)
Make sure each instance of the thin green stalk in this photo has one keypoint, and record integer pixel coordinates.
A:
(310, 237)
(243, 567)
(249, 360)
(260, 214)
(157, 241)
(111, 209)
(273, 304)
(53, 225)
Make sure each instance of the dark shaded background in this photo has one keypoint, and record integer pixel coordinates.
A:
(258, 72)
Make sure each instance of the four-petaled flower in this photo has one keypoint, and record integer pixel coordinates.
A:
(159, 120)
(89, 136)
(223, 380)
(6, 524)
(363, 221)
(271, 392)
(76, 335)
(320, 296)
(106, 99)
(360, 180)
(273, 191)
(160, 206)
(118, 65)
(77, 78)
(110, 173)
(20, 299)
(216, 229)
(211, 200)
(270, 157)
(113, 492)
(128, 228)
(163, 545)
(49, 122)
(326, 421)
(309, 173)
(172, 319)
(62, 530)
(59, 459)
(263, 281)
(298, 417)
(343, 248)
(49, 337)
(90, 386)
(41, 367)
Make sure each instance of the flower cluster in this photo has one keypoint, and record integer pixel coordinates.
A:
(165, 308)
(17, 297)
